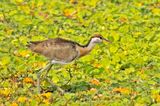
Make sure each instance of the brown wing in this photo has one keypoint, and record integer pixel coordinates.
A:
(55, 49)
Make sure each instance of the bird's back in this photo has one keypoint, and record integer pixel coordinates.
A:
(57, 49)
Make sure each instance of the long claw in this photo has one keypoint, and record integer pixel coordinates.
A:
(61, 91)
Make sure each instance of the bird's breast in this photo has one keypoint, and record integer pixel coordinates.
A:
(83, 51)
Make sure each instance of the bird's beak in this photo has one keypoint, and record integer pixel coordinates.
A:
(107, 40)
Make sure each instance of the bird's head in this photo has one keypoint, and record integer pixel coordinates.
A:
(97, 38)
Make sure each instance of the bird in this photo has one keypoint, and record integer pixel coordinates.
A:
(61, 51)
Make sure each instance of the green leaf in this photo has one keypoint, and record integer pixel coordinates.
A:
(5, 60)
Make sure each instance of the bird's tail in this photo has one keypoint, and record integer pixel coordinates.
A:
(31, 45)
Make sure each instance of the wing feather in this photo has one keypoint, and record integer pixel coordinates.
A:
(55, 49)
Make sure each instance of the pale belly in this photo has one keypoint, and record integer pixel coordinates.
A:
(59, 62)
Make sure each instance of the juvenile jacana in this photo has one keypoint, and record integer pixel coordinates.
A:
(62, 51)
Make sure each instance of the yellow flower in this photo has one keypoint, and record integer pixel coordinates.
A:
(73, 1)
(47, 95)
(22, 99)
(14, 104)
(39, 64)
(28, 80)
(93, 90)
(122, 90)
(97, 65)
(95, 82)
(46, 101)
(70, 13)
(24, 53)
(5, 92)
(157, 98)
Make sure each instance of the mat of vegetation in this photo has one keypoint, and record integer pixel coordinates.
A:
(126, 72)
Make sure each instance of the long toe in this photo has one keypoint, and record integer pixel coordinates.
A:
(54, 85)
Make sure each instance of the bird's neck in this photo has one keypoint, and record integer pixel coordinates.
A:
(84, 50)
(90, 45)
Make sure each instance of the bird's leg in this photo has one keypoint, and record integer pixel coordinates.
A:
(54, 85)
(48, 71)
(48, 67)
(70, 75)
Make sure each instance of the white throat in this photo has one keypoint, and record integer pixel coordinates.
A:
(91, 44)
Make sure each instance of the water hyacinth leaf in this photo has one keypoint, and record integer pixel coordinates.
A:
(115, 35)
(23, 40)
(124, 72)
(113, 48)
(5, 60)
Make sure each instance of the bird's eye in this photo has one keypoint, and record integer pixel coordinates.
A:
(100, 37)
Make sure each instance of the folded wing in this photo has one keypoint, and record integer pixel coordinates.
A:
(55, 49)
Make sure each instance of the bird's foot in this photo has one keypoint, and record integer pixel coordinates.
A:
(61, 91)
